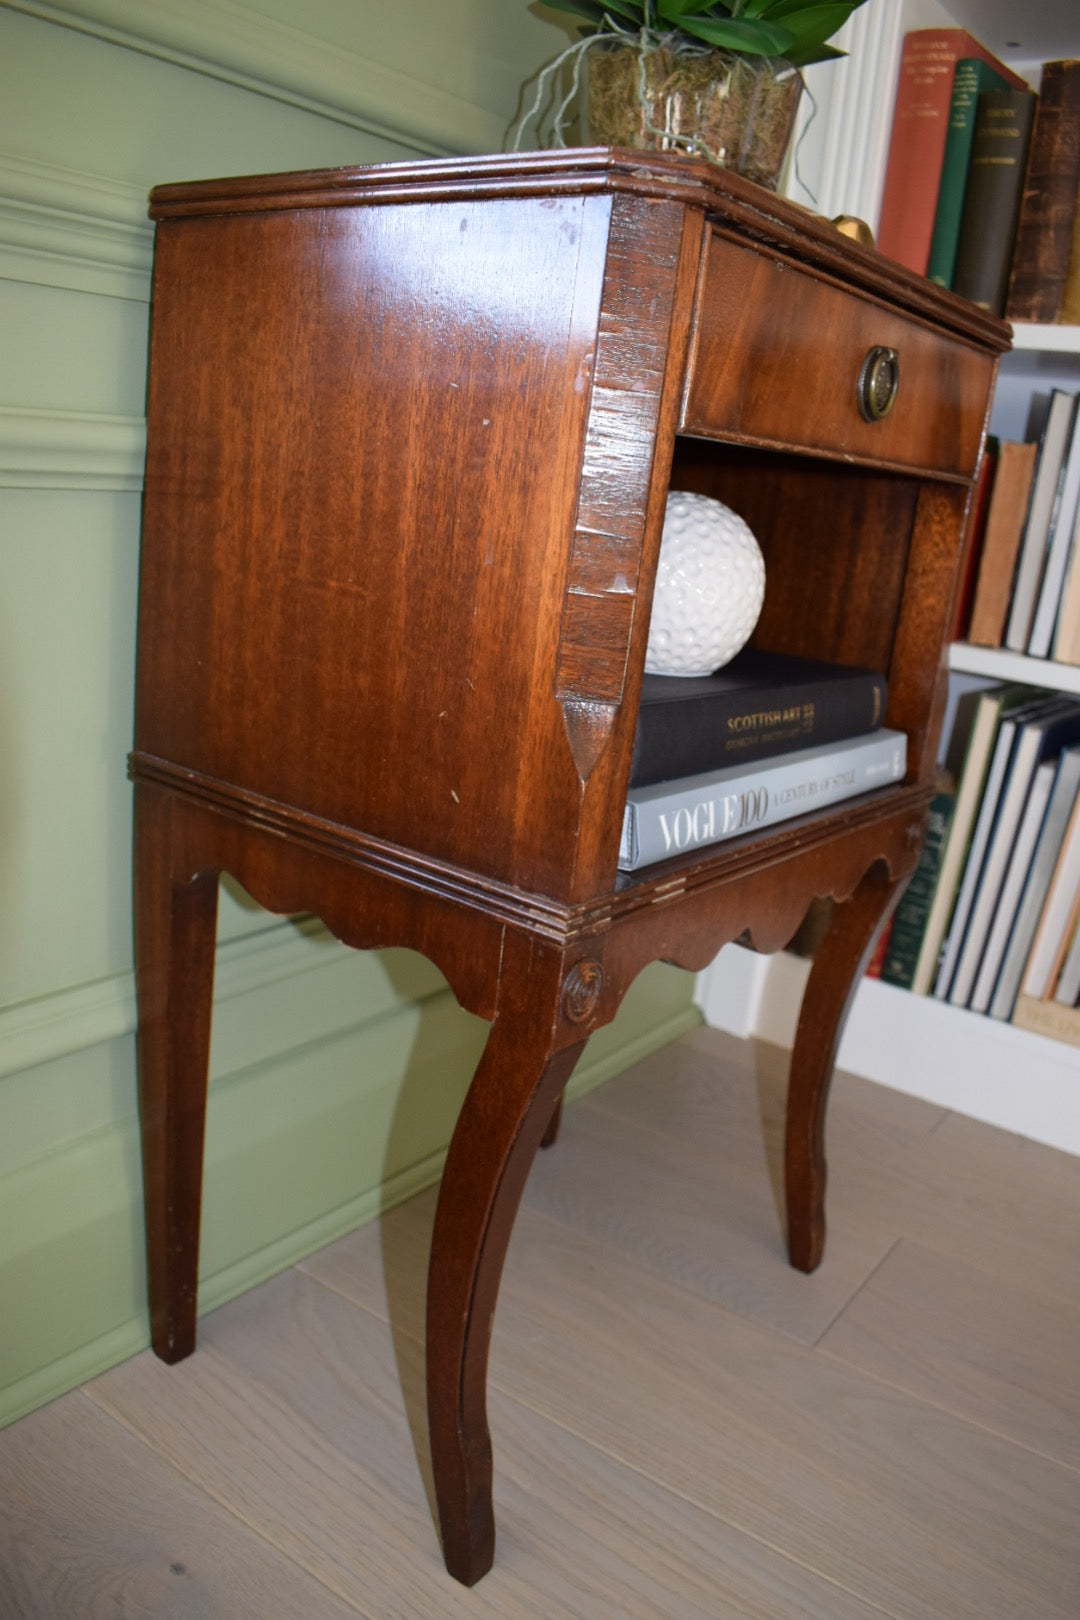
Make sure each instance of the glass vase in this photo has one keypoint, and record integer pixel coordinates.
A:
(739, 110)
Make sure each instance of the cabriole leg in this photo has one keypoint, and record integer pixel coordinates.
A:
(838, 966)
(505, 1115)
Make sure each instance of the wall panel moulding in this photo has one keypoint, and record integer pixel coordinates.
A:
(61, 228)
(44, 449)
(52, 1026)
(246, 48)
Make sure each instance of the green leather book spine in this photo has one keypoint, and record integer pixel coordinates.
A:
(909, 921)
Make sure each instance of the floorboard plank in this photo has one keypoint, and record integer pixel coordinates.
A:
(298, 1408)
(671, 1204)
(682, 1426)
(959, 1338)
(897, 1164)
(95, 1524)
(1009, 1204)
(907, 1507)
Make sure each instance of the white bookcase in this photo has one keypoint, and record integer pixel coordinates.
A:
(1023, 1082)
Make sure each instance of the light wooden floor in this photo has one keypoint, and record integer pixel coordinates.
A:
(682, 1425)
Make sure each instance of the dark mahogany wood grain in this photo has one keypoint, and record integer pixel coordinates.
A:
(834, 978)
(175, 920)
(506, 1114)
(777, 357)
(411, 431)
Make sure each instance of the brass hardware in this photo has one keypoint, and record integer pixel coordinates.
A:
(879, 380)
(857, 229)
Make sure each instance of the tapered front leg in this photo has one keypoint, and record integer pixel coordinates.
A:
(839, 962)
(503, 1120)
(175, 920)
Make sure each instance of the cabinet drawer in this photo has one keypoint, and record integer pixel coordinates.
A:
(776, 356)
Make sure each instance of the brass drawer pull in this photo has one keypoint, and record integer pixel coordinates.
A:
(879, 380)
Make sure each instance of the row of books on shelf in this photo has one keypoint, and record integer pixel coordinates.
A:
(991, 918)
(767, 738)
(983, 176)
(1024, 559)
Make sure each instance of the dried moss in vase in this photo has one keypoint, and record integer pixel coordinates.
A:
(740, 110)
(720, 79)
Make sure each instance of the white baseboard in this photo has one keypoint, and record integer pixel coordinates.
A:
(977, 1066)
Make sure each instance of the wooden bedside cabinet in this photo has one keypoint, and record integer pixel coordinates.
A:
(411, 430)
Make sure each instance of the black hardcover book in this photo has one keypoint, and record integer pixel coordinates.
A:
(760, 704)
(995, 188)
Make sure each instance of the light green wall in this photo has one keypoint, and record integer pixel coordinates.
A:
(335, 1077)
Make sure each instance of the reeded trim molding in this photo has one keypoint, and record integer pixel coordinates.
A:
(847, 137)
(242, 47)
(45, 449)
(499, 902)
(63, 228)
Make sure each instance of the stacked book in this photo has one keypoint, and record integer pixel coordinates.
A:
(1027, 552)
(767, 738)
(989, 921)
(983, 176)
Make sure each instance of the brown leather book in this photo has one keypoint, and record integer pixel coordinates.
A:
(992, 200)
(1004, 529)
(1070, 303)
(1044, 234)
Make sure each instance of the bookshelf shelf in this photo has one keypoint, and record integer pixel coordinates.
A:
(998, 665)
(960, 1058)
(990, 1071)
(1039, 337)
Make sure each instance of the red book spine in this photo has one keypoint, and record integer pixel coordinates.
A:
(917, 145)
(877, 961)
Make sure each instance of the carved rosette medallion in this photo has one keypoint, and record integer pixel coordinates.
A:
(581, 991)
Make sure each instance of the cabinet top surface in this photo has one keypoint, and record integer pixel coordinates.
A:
(734, 204)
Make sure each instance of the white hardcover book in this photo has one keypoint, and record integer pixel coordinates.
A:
(1044, 492)
(670, 818)
(1012, 885)
(1037, 885)
(1057, 915)
(973, 865)
(976, 759)
(1061, 543)
(1058, 720)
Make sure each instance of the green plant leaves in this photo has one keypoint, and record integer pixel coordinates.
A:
(752, 37)
(674, 10)
(780, 10)
(595, 13)
(794, 29)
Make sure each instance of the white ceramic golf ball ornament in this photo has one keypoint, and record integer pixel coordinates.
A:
(709, 588)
